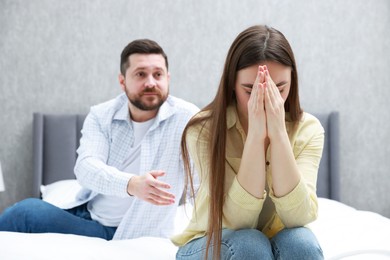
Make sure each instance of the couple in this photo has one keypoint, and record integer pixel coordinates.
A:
(253, 150)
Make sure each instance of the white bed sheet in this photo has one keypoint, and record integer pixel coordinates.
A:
(347, 233)
(343, 232)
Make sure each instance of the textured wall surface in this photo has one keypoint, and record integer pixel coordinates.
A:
(63, 56)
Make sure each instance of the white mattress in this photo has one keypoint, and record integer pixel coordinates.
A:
(343, 232)
(347, 233)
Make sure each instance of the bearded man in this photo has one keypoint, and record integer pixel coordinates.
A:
(129, 162)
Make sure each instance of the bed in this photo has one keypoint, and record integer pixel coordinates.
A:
(343, 231)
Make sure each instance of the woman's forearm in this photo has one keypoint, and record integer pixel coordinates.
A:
(285, 173)
(251, 175)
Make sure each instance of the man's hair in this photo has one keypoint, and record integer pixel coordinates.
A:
(141, 46)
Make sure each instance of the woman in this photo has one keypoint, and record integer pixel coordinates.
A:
(257, 156)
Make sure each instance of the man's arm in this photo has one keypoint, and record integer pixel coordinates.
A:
(93, 172)
(91, 167)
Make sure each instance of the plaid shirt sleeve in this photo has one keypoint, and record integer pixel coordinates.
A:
(91, 167)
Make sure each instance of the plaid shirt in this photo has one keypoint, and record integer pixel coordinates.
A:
(107, 135)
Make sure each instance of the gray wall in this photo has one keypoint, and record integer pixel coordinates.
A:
(63, 56)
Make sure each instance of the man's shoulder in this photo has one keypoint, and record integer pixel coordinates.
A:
(112, 103)
(109, 106)
(182, 106)
(104, 113)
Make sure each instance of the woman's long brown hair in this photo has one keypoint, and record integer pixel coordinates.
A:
(252, 46)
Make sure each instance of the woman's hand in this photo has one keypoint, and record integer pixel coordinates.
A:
(256, 110)
(274, 108)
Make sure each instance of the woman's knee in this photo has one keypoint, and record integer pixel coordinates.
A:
(296, 243)
(235, 244)
(245, 244)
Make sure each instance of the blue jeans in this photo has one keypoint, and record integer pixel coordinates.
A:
(294, 243)
(37, 216)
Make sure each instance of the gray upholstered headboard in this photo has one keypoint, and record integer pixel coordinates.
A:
(56, 138)
(328, 182)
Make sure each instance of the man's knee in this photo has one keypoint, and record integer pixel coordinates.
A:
(18, 216)
(26, 207)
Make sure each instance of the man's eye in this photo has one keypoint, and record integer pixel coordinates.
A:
(140, 74)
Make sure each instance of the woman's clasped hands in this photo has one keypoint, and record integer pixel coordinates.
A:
(266, 115)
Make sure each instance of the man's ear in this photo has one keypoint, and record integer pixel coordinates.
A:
(169, 76)
(121, 79)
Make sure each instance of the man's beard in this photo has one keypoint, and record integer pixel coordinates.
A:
(136, 100)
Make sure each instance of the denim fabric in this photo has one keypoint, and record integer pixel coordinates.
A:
(295, 243)
(37, 216)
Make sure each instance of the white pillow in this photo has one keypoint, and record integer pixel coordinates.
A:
(60, 193)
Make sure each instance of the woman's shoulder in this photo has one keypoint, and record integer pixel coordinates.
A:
(200, 124)
(309, 120)
(306, 128)
(203, 114)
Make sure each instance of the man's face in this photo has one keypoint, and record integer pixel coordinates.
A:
(146, 82)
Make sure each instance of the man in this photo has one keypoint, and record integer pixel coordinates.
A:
(129, 161)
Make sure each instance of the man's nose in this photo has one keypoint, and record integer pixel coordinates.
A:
(150, 81)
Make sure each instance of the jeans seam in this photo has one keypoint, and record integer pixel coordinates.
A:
(230, 247)
(193, 251)
(275, 250)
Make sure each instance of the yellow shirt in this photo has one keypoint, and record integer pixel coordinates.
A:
(241, 210)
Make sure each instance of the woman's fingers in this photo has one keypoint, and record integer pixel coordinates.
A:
(260, 96)
(253, 98)
(274, 107)
(267, 98)
(256, 113)
(269, 93)
(258, 77)
(262, 73)
(273, 97)
(256, 100)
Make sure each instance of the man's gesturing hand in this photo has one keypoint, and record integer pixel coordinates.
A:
(148, 188)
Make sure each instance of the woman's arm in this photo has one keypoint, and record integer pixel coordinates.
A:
(294, 173)
(285, 174)
(247, 191)
(251, 175)
(300, 206)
